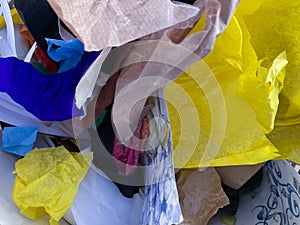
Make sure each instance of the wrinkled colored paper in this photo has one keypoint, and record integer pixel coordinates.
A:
(229, 135)
(49, 98)
(200, 195)
(287, 140)
(68, 53)
(47, 182)
(274, 27)
(262, 90)
(15, 16)
(9, 211)
(101, 24)
(18, 140)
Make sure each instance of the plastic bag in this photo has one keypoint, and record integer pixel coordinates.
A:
(47, 182)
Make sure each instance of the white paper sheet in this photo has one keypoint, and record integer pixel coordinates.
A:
(99, 201)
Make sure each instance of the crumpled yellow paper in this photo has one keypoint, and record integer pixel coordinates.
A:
(15, 16)
(287, 140)
(275, 27)
(237, 137)
(47, 182)
(262, 88)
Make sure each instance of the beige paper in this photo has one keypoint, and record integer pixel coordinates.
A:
(236, 176)
(139, 79)
(200, 195)
(100, 24)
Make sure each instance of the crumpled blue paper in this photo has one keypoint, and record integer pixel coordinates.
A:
(68, 53)
(18, 140)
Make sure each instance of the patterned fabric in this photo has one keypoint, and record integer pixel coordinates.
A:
(161, 206)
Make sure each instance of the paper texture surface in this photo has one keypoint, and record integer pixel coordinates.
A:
(100, 24)
(86, 85)
(243, 140)
(286, 139)
(272, 32)
(9, 212)
(47, 182)
(200, 195)
(262, 90)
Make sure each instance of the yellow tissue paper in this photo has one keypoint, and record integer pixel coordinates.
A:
(194, 97)
(262, 88)
(275, 27)
(47, 182)
(15, 16)
(287, 140)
